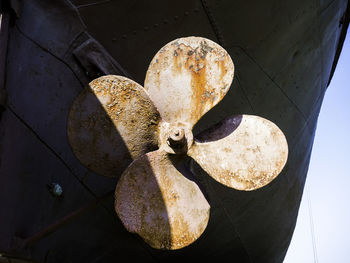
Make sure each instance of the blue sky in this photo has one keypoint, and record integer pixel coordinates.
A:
(328, 181)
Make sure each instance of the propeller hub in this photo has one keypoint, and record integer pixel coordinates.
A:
(175, 138)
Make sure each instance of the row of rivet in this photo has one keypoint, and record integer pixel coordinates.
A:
(156, 25)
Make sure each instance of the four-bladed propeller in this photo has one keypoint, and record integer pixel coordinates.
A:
(116, 121)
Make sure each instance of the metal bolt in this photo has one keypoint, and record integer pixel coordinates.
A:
(55, 189)
(177, 139)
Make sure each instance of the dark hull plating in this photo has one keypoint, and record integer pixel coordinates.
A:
(284, 53)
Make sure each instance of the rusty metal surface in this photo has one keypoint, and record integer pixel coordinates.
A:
(156, 201)
(283, 63)
(187, 77)
(153, 197)
(247, 158)
(112, 113)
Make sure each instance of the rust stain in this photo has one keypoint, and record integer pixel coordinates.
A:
(199, 67)
(153, 198)
(248, 158)
(112, 113)
(178, 61)
(223, 69)
(167, 210)
(194, 61)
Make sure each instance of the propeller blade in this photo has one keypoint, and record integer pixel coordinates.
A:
(188, 77)
(111, 123)
(155, 200)
(244, 152)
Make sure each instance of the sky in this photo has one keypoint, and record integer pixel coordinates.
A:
(327, 191)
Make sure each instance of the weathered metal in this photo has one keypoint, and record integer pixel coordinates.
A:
(283, 63)
(153, 197)
(245, 152)
(155, 200)
(112, 113)
(187, 77)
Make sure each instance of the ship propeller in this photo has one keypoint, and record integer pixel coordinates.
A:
(117, 122)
